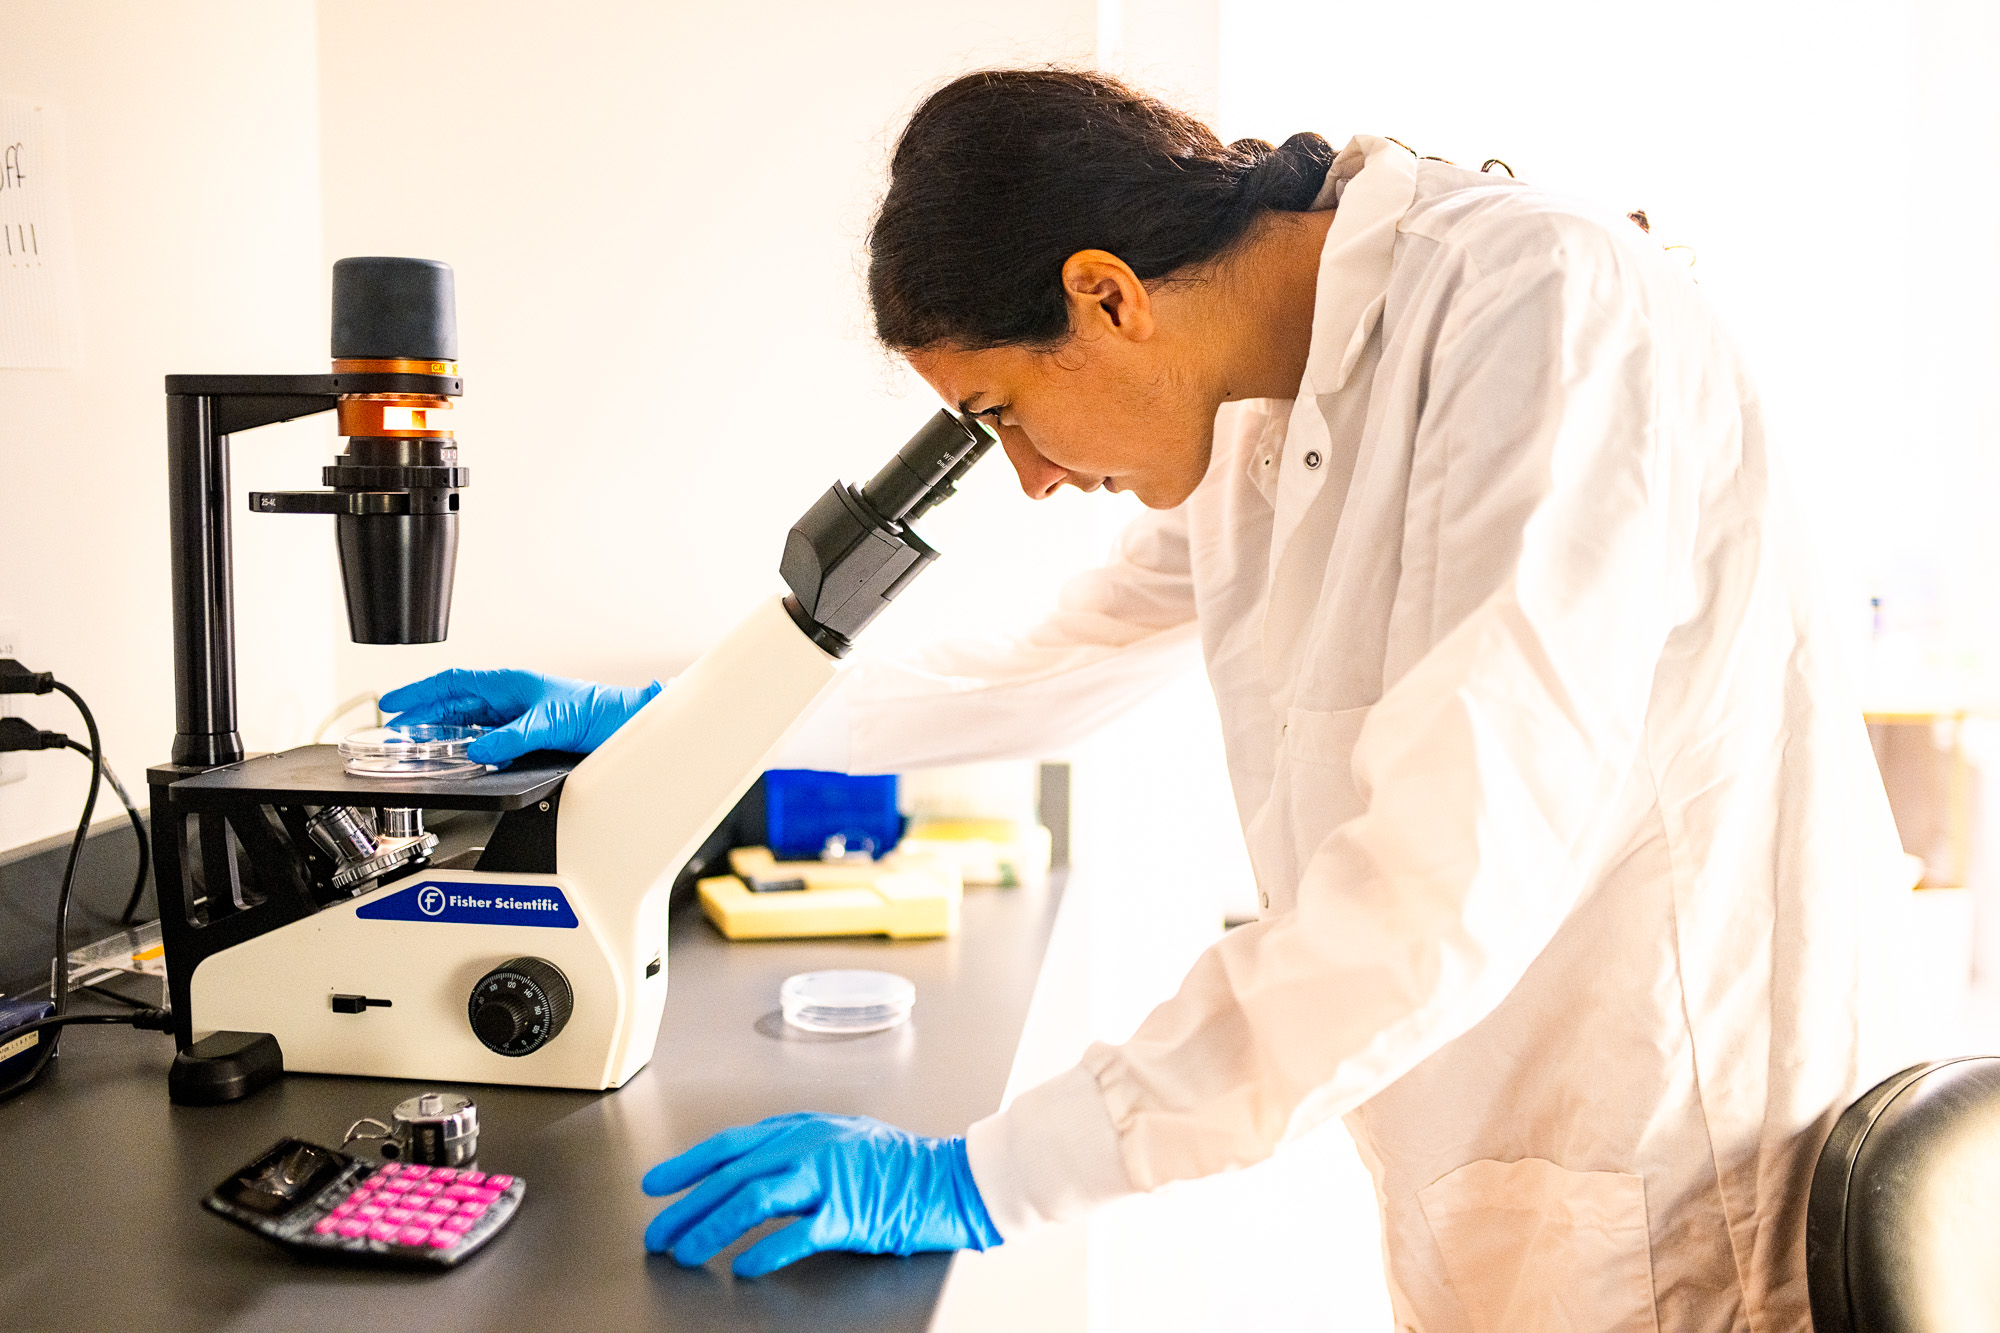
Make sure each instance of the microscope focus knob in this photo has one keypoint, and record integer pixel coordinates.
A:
(520, 1006)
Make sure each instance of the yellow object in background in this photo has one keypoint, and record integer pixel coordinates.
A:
(901, 896)
(1003, 852)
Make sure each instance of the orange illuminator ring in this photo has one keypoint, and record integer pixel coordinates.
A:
(394, 414)
(353, 366)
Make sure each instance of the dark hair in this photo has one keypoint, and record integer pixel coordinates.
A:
(1002, 175)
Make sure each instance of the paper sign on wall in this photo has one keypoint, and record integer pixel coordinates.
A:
(39, 305)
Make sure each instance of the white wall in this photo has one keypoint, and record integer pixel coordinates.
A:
(1828, 164)
(655, 213)
(1166, 46)
(192, 134)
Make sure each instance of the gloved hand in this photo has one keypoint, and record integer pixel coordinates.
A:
(853, 1182)
(530, 710)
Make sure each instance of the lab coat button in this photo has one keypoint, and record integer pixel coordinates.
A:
(1312, 458)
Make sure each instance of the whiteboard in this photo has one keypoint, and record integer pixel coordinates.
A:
(39, 304)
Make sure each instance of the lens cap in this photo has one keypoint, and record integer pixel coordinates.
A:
(394, 309)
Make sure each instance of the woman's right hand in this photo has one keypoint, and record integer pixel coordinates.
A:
(528, 710)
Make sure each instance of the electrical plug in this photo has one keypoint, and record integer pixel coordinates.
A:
(17, 679)
(17, 733)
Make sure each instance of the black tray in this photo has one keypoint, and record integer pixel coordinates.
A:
(314, 775)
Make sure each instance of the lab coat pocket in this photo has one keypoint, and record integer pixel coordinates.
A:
(1528, 1244)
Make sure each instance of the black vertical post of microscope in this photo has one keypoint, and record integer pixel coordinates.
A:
(203, 591)
(202, 411)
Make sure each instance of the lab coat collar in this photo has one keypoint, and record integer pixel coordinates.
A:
(1375, 180)
(1372, 182)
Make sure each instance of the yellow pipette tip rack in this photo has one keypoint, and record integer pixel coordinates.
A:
(903, 897)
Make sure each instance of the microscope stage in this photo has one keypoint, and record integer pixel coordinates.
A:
(314, 775)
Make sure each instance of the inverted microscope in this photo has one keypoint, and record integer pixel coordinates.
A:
(308, 920)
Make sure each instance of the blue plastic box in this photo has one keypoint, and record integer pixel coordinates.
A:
(804, 807)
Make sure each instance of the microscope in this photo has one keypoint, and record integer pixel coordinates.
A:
(307, 923)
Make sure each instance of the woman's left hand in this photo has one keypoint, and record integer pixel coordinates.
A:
(854, 1184)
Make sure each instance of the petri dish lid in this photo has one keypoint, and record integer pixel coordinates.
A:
(415, 750)
(846, 1000)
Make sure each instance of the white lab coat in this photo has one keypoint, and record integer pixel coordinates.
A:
(1562, 813)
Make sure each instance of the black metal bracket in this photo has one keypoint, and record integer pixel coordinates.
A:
(201, 914)
(203, 411)
(354, 502)
(524, 841)
(311, 386)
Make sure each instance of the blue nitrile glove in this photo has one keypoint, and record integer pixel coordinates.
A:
(853, 1183)
(530, 710)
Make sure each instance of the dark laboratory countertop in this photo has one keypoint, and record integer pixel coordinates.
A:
(101, 1176)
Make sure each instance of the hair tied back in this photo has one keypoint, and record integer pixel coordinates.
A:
(1287, 178)
(1002, 174)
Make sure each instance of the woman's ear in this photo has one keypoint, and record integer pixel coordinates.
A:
(1106, 297)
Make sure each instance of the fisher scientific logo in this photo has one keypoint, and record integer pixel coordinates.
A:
(473, 904)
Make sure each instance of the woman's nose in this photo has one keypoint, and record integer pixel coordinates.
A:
(1039, 477)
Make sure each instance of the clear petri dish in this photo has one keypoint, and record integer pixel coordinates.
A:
(412, 751)
(846, 1001)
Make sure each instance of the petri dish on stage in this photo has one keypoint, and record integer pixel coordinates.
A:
(846, 1001)
(418, 750)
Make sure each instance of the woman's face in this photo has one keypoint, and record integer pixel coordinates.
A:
(1117, 405)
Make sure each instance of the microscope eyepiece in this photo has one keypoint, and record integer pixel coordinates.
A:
(920, 465)
(850, 554)
(947, 485)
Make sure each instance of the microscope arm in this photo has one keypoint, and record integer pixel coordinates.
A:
(633, 812)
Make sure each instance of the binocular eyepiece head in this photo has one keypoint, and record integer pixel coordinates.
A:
(395, 322)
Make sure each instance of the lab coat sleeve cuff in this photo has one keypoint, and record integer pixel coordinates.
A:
(1050, 1156)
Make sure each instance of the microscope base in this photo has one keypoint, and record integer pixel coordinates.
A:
(380, 985)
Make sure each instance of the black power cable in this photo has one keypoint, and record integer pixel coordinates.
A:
(18, 734)
(14, 679)
(152, 1020)
(138, 830)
